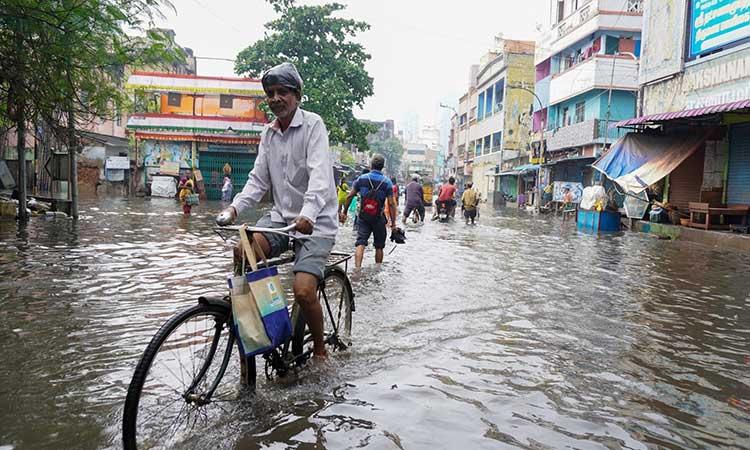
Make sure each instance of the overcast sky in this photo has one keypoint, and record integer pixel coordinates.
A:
(421, 49)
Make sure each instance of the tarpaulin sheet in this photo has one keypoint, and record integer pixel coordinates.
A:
(639, 160)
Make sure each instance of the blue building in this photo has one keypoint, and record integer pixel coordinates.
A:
(586, 79)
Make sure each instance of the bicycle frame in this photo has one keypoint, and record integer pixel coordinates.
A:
(248, 363)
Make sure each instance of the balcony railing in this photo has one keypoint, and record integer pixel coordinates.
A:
(612, 134)
(583, 133)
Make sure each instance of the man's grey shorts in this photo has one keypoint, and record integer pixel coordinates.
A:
(310, 255)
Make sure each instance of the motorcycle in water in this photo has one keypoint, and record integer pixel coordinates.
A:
(444, 213)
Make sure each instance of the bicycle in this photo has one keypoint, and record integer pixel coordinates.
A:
(203, 334)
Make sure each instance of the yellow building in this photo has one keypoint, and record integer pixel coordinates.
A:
(497, 115)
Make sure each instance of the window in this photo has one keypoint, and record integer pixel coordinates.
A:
(488, 102)
(487, 144)
(560, 10)
(580, 112)
(174, 99)
(480, 107)
(497, 140)
(635, 6)
(478, 147)
(462, 120)
(611, 44)
(226, 101)
(565, 118)
(499, 93)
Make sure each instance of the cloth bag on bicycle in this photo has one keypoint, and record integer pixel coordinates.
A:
(261, 317)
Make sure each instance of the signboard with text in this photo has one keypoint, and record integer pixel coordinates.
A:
(717, 23)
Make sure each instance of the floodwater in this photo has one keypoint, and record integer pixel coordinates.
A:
(517, 333)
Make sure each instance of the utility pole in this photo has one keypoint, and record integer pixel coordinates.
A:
(611, 86)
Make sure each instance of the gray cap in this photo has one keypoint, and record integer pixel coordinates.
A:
(285, 74)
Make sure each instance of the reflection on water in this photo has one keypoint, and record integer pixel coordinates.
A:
(517, 333)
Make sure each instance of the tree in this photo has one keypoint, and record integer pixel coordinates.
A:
(331, 65)
(63, 63)
(347, 158)
(392, 150)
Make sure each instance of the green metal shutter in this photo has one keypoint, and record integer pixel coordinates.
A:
(212, 167)
(738, 180)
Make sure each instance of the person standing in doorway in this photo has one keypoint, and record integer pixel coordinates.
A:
(375, 190)
(226, 189)
(469, 203)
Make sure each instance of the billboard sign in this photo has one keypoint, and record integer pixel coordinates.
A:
(717, 23)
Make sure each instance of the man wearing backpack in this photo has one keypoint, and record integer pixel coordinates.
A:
(374, 190)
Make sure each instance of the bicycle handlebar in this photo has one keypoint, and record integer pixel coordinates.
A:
(285, 231)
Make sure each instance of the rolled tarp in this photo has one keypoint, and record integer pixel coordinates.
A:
(639, 160)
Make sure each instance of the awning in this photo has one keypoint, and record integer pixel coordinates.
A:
(665, 117)
(104, 139)
(639, 160)
(569, 160)
(520, 170)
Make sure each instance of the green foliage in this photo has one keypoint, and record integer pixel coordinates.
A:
(393, 151)
(347, 158)
(332, 66)
(69, 56)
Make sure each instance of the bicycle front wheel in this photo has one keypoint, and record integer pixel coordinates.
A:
(174, 386)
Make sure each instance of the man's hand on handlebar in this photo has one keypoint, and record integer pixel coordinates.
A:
(226, 217)
(304, 225)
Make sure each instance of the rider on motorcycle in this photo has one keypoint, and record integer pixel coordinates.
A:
(447, 198)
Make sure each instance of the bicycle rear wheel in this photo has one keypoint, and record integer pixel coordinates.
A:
(174, 386)
(337, 300)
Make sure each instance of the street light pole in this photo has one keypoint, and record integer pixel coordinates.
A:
(466, 141)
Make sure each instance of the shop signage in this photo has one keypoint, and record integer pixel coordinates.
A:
(717, 23)
(559, 190)
(118, 162)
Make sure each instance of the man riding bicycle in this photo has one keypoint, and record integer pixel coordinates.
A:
(293, 163)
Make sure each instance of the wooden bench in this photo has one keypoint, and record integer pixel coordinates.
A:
(707, 211)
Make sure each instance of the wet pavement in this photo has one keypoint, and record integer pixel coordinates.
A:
(518, 333)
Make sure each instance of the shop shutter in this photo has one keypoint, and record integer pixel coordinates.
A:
(686, 180)
(510, 185)
(738, 180)
(212, 167)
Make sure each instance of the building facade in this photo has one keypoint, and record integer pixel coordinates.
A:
(418, 159)
(490, 131)
(185, 122)
(695, 80)
(586, 78)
